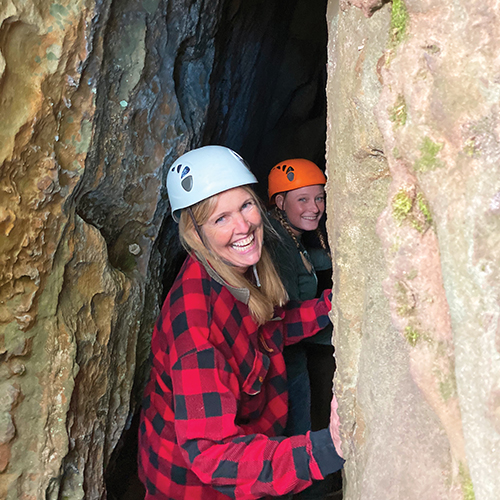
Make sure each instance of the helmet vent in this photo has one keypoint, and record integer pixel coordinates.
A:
(289, 174)
(187, 183)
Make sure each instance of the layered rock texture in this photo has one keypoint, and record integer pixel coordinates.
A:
(97, 98)
(414, 189)
(89, 116)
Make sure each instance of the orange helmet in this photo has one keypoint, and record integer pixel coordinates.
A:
(293, 174)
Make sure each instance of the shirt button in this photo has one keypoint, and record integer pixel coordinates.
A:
(261, 379)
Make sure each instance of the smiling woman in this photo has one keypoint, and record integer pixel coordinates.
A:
(215, 408)
(235, 231)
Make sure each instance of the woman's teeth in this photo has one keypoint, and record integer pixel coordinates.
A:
(244, 244)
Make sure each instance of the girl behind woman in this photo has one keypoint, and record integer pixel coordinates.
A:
(296, 189)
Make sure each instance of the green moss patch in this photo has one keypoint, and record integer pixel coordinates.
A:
(401, 206)
(404, 299)
(466, 483)
(428, 156)
(412, 335)
(398, 113)
(470, 147)
(447, 388)
(399, 23)
(424, 207)
(412, 274)
(412, 209)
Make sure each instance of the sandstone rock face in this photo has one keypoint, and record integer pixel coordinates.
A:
(414, 182)
(89, 115)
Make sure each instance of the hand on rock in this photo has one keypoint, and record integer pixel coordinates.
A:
(334, 426)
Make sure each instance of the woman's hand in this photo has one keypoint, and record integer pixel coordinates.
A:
(334, 426)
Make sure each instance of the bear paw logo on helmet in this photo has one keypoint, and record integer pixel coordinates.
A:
(289, 172)
(186, 180)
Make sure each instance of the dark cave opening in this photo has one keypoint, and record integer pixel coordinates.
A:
(268, 99)
(267, 102)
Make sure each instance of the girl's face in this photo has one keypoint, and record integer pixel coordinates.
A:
(235, 231)
(304, 206)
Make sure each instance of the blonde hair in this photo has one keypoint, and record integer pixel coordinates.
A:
(263, 299)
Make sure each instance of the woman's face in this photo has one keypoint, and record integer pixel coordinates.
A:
(235, 231)
(304, 206)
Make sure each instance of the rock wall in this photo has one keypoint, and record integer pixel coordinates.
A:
(414, 190)
(90, 112)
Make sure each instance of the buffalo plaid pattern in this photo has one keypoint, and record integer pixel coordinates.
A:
(216, 401)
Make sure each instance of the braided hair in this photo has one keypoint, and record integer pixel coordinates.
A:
(323, 241)
(280, 215)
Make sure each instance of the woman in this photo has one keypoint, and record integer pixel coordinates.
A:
(216, 404)
(296, 189)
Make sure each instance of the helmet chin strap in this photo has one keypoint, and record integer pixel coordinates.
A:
(256, 276)
(293, 226)
(198, 229)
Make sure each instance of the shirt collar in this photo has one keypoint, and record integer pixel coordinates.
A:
(241, 294)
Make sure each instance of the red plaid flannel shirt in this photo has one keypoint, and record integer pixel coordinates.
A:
(216, 401)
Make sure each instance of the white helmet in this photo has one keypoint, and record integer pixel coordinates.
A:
(203, 172)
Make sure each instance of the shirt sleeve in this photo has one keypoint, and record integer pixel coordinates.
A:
(221, 454)
(305, 319)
